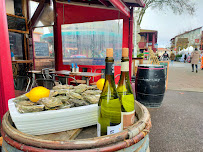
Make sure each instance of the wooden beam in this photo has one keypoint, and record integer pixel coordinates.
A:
(37, 13)
(121, 6)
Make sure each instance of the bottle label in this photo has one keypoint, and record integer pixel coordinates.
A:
(113, 129)
(125, 66)
(109, 68)
(98, 129)
(127, 119)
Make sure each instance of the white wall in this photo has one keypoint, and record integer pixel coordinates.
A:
(9, 6)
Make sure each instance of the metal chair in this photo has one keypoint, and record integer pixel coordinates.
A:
(46, 74)
(102, 76)
(47, 83)
(64, 79)
(19, 82)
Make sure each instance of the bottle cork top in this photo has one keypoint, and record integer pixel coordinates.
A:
(125, 52)
(109, 52)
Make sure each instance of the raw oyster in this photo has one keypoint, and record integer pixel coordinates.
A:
(58, 92)
(74, 95)
(25, 103)
(91, 92)
(92, 99)
(92, 87)
(58, 87)
(78, 103)
(80, 88)
(20, 98)
(66, 105)
(26, 109)
(50, 103)
(64, 99)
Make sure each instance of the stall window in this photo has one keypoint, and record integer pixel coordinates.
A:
(86, 43)
(43, 47)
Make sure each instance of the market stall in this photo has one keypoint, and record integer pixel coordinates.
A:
(68, 13)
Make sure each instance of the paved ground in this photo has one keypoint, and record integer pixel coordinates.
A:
(181, 77)
(177, 125)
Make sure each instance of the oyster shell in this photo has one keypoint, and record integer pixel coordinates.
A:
(64, 99)
(25, 103)
(78, 103)
(50, 103)
(20, 98)
(91, 92)
(74, 95)
(58, 93)
(92, 87)
(80, 88)
(27, 109)
(92, 99)
(58, 87)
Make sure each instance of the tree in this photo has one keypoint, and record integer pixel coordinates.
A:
(177, 6)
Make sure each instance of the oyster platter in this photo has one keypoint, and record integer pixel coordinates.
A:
(67, 107)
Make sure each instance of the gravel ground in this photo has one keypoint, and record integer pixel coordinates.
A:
(177, 125)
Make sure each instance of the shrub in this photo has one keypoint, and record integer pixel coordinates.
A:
(179, 55)
(140, 55)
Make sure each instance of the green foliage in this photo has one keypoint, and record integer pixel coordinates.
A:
(140, 55)
(179, 55)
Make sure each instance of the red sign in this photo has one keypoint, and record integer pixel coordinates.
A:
(196, 40)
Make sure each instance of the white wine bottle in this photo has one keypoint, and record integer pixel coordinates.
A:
(109, 117)
(125, 92)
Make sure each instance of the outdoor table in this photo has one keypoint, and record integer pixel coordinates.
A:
(87, 75)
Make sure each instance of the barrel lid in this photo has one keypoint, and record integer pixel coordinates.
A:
(150, 66)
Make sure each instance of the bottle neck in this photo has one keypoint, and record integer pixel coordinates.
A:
(109, 71)
(124, 65)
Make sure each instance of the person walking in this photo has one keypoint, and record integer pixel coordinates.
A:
(172, 57)
(195, 59)
(165, 56)
(185, 58)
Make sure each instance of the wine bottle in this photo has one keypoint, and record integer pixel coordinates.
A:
(125, 92)
(109, 106)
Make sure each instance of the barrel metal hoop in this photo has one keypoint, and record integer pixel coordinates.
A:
(151, 68)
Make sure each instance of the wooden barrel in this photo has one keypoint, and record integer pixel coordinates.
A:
(135, 138)
(150, 85)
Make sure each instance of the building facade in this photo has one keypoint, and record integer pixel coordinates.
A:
(148, 39)
(189, 38)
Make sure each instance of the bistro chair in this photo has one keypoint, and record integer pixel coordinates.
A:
(47, 83)
(20, 82)
(64, 79)
(102, 76)
(46, 74)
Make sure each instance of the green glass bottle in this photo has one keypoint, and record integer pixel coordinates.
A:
(125, 92)
(109, 106)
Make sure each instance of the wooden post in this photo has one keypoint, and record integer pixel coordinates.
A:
(130, 41)
(6, 74)
(57, 40)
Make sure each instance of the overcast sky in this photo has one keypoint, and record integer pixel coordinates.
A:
(169, 25)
